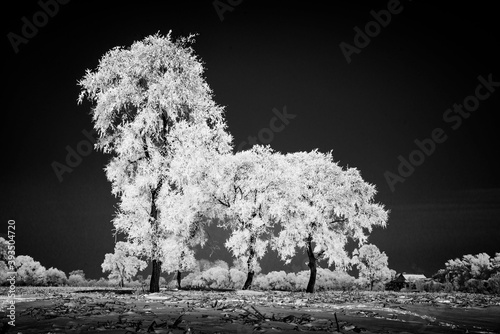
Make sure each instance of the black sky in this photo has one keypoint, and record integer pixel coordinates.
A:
(267, 55)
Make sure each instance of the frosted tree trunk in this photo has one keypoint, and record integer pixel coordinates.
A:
(312, 266)
(120, 284)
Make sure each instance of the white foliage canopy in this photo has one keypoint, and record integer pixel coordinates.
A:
(243, 192)
(327, 205)
(151, 103)
(373, 265)
(121, 264)
(173, 170)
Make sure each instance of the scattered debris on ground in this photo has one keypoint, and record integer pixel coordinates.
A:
(255, 311)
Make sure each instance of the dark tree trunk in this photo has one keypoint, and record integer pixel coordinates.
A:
(251, 272)
(179, 278)
(312, 267)
(154, 285)
(249, 280)
(121, 283)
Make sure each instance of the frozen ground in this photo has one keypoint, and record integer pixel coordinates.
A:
(66, 311)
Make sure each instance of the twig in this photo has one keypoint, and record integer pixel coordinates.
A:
(151, 327)
(338, 328)
(260, 314)
(177, 321)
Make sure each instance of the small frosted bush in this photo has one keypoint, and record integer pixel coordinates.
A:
(76, 280)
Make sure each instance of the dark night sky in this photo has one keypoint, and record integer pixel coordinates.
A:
(267, 55)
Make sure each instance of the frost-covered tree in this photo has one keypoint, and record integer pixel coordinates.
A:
(29, 271)
(121, 265)
(150, 102)
(216, 277)
(459, 271)
(372, 264)
(4, 258)
(76, 280)
(4, 248)
(495, 263)
(55, 277)
(77, 272)
(241, 191)
(480, 265)
(4, 271)
(327, 206)
(247, 190)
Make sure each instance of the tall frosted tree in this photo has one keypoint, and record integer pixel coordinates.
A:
(149, 102)
(327, 207)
